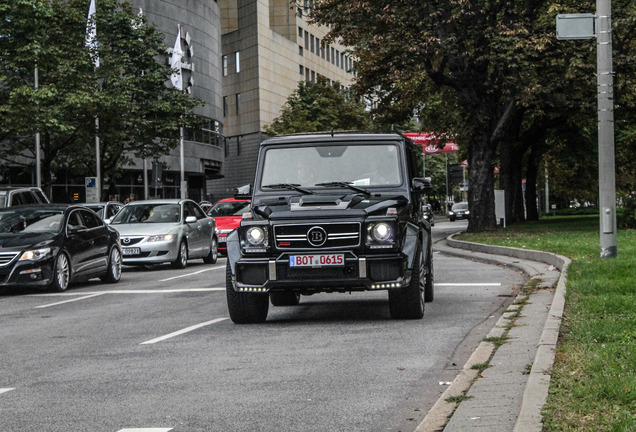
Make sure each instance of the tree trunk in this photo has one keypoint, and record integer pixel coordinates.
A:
(481, 196)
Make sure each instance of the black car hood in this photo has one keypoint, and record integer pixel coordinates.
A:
(326, 205)
(13, 241)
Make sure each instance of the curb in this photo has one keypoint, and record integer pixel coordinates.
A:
(535, 394)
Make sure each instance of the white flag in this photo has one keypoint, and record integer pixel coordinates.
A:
(175, 62)
(91, 32)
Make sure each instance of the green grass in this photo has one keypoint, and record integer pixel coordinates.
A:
(593, 385)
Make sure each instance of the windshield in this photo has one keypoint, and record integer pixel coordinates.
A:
(229, 208)
(148, 213)
(460, 206)
(31, 220)
(360, 165)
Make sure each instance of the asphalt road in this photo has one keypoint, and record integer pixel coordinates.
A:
(157, 352)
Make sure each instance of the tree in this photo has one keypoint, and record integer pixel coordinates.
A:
(315, 107)
(139, 115)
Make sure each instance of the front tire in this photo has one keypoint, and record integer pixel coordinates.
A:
(113, 273)
(214, 252)
(61, 273)
(408, 302)
(244, 308)
(182, 258)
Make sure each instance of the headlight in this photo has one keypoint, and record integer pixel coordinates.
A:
(467, 212)
(381, 235)
(35, 254)
(159, 238)
(382, 232)
(450, 212)
(255, 236)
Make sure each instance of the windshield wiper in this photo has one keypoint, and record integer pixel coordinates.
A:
(344, 185)
(290, 186)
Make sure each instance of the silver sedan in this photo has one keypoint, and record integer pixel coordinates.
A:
(159, 231)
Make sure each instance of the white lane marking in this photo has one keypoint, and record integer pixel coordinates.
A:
(4, 390)
(155, 291)
(180, 332)
(68, 301)
(191, 274)
(485, 284)
(145, 430)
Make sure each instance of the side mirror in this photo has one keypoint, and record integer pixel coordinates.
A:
(243, 192)
(191, 219)
(422, 185)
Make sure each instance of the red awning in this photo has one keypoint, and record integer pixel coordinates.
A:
(430, 141)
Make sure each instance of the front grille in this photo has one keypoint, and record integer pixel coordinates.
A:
(129, 241)
(7, 257)
(338, 235)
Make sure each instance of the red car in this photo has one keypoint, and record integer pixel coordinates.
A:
(227, 213)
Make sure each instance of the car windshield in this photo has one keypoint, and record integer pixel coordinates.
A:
(148, 213)
(359, 165)
(228, 208)
(31, 220)
(460, 206)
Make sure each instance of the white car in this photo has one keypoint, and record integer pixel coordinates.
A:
(160, 231)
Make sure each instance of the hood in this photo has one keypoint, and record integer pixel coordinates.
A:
(314, 206)
(227, 222)
(13, 241)
(145, 229)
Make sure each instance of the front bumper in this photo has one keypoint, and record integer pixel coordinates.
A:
(359, 273)
(38, 273)
(150, 252)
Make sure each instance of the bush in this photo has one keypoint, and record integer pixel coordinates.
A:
(627, 215)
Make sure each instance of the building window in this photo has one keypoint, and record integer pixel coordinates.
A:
(225, 107)
(300, 51)
(300, 32)
(237, 57)
(322, 51)
(307, 74)
(337, 58)
(238, 146)
(313, 76)
(311, 43)
(224, 62)
(301, 69)
(333, 56)
(342, 61)
(306, 40)
(238, 103)
(328, 56)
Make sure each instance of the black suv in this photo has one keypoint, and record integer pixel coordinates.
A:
(334, 212)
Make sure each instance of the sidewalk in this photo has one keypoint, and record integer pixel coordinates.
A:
(507, 390)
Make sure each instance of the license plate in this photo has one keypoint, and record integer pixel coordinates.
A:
(222, 239)
(321, 260)
(131, 251)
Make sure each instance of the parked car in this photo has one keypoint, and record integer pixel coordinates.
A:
(459, 211)
(52, 245)
(105, 210)
(427, 214)
(14, 196)
(159, 231)
(227, 213)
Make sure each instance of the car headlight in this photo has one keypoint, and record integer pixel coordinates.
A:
(450, 212)
(467, 212)
(159, 238)
(255, 236)
(380, 235)
(35, 254)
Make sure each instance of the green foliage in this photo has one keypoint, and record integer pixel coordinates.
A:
(138, 114)
(319, 107)
(627, 214)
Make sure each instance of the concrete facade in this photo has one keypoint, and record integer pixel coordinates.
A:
(267, 48)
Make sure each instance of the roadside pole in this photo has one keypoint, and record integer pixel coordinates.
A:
(588, 26)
